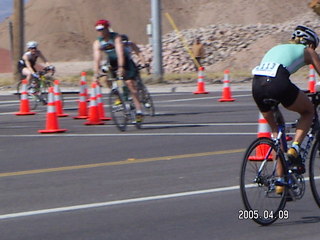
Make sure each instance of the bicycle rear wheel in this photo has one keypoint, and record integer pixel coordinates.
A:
(118, 110)
(32, 95)
(314, 171)
(257, 182)
(146, 101)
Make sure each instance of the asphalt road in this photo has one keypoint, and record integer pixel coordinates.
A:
(177, 178)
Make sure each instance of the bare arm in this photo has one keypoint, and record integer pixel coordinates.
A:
(311, 57)
(43, 58)
(120, 54)
(96, 59)
(137, 51)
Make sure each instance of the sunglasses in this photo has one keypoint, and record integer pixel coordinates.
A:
(33, 48)
(99, 28)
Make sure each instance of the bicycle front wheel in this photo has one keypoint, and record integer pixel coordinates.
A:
(118, 110)
(261, 167)
(314, 171)
(44, 89)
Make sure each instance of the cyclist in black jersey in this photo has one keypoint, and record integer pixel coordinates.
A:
(131, 47)
(110, 44)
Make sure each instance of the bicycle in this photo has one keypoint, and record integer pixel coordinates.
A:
(265, 162)
(121, 105)
(38, 88)
(143, 93)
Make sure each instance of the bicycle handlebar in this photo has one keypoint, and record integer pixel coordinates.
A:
(100, 75)
(147, 66)
(47, 69)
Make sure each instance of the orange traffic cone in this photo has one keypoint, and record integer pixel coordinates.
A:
(83, 95)
(226, 94)
(100, 105)
(58, 100)
(201, 88)
(263, 131)
(84, 84)
(52, 125)
(24, 101)
(312, 79)
(94, 118)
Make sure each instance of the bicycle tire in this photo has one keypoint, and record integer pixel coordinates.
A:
(146, 100)
(118, 110)
(258, 192)
(145, 97)
(45, 84)
(314, 171)
(33, 98)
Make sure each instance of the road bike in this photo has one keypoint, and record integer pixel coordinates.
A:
(265, 162)
(37, 89)
(122, 108)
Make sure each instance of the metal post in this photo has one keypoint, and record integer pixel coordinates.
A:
(156, 40)
(11, 38)
(18, 35)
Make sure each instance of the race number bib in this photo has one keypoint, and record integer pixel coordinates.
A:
(266, 69)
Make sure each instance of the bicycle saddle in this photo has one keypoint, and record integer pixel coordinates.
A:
(271, 102)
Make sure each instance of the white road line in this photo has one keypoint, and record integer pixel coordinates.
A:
(125, 201)
(199, 98)
(117, 202)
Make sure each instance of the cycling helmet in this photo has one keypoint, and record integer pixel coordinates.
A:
(32, 44)
(102, 24)
(124, 38)
(306, 35)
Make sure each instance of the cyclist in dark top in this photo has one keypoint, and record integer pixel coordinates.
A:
(110, 44)
(29, 59)
(130, 47)
(271, 80)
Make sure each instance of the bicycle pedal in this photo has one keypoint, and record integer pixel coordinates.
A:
(280, 183)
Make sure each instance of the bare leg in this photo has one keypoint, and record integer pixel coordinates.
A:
(134, 93)
(27, 73)
(272, 123)
(304, 107)
(274, 128)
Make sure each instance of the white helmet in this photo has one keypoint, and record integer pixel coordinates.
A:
(307, 35)
(32, 44)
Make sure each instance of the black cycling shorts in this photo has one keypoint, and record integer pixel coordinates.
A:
(279, 88)
(131, 71)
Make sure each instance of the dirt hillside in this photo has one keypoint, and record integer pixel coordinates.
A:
(66, 30)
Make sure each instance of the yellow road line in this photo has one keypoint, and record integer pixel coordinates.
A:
(123, 162)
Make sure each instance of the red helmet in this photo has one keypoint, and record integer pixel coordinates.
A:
(102, 24)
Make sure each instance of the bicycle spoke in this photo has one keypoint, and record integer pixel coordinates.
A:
(146, 101)
(118, 110)
(260, 170)
(314, 171)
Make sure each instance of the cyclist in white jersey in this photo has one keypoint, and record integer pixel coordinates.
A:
(27, 64)
(271, 80)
